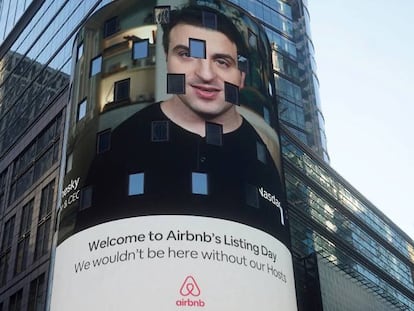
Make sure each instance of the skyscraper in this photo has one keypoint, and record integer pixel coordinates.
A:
(347, 253)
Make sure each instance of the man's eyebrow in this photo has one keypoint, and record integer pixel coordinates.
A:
(179, 47)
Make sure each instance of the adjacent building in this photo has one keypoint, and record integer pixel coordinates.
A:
(348, 255)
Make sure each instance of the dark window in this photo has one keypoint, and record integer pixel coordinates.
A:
(136, 184)
(175, 83)
(103, 141)
(44, 220)
(111, 26)
(42, 239)
(121, 90)
(22, 254)
(96, 65)
(261, 152)
(231, 93)
(26, 219)
(46, 201)
(82, 109)
(86, 198)
(162, 14)
(214, 134)
(24, 238)
(252, 196)
(140, 49)
(209, 20)
(2, 189)
(199, 183)
(37, 295)
(160, 131)
(4, 267)
(15, 301)
(8, 234)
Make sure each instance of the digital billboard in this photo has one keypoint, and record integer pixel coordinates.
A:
(172, 193)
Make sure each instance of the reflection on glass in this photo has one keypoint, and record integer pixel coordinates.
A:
(197, 48)
(80, 51)
(199, 183)
(136, 184)
(82, 109)
(96, 65)
(140, 49)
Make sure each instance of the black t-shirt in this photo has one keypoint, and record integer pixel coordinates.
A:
(243, 183)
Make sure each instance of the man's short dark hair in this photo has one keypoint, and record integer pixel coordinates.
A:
(193, 15)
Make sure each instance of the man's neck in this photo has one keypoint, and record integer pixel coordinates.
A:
(188, 119)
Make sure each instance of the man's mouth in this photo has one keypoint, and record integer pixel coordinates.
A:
(206, 91)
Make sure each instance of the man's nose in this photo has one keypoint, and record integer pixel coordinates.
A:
(205, 70)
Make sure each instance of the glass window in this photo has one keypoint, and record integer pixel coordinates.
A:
(79, 52)
(15, 301)
(4, 267)
(199, 183)
(21, 254)
(37, 295)
(160, 131)
(266, 114)
(162, 14)
(140, 49)
(252, 39)
(121, 90)
(82, 110)
(136, 184)
(8, 234)
(214, 134)
(86, 198)
(103, 141)
(46, 201)
(96, 65)
(42, 239)
(197, 48)
(26, 218)
(261, 152)
(252, 196)
(175, 83)
(209, 20)
(231, 93)
(111, 26)
(69, 162)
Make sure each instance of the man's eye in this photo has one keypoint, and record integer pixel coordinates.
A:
(184, 53)
(222, 62)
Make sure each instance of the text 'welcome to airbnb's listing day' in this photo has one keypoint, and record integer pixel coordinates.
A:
(224, 249)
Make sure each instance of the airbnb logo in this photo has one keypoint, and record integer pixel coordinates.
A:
(190, 288)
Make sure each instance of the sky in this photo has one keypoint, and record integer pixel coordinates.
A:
(364, 52)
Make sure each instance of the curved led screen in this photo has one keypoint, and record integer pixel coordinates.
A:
(172, 193)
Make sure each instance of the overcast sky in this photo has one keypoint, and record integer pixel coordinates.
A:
(364, 51)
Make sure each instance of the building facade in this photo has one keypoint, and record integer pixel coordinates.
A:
(348, 255)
